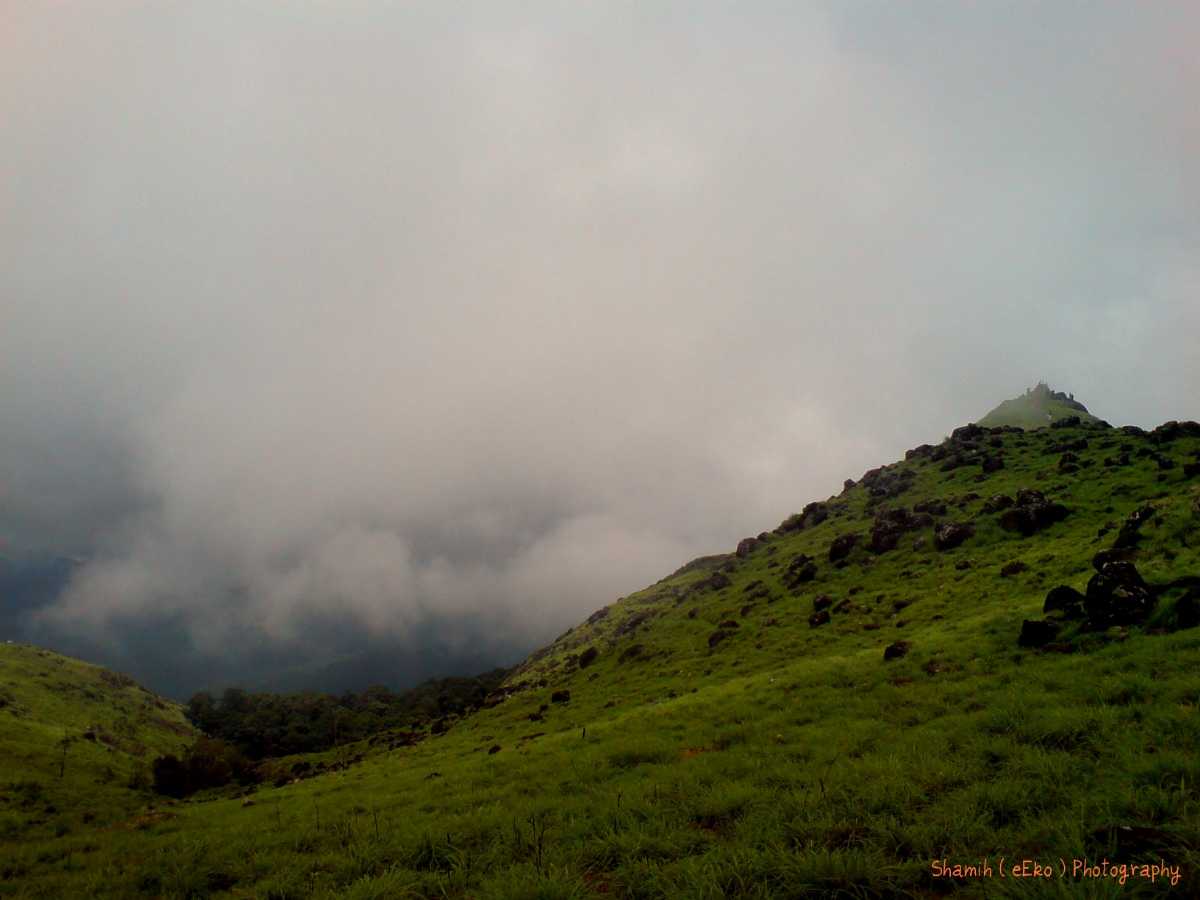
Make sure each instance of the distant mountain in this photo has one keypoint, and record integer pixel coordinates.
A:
(1036, 408)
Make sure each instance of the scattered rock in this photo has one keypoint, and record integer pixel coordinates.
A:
(1036, 633)
(896, 650)
(992, 464)
(950, 535)
(1117, 595)
(933, 507)
(598, 616)
(822, 601)
(1016, 567)
(818, 618)
(997, 503)
(962, 565)
(745, 547)
(587, 657)
(495, 748)
(1066, 600)
(563, 696)
(800, 570)
(1130, 534)
(728, 623)
(1032, 513)
(716, 637)
(841, 546)
(1187, 609)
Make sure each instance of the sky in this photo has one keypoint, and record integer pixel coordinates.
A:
(423, 330)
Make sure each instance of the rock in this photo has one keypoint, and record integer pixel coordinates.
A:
(1066, 600)
(1111, 555)
(822, 601)
(800, 570)
(997, 502)
(841, 546)
(1036, 633)
(633, 652)
(818, 618)
(1170, 431)
(962, 565)
(598, 616)
(890, 525)
(992, 464)
(966, 433)
(1187, 609)
(1016, 567)
(630, 625)
(1129, 534)
(1032, 513)
(932, 507)
(495, 748)
(950, 535)
(896, 650)
(587, 657)
(1068, 422)
(847, 485)
(563, 696)
(1117, 595)
(923, 451)
(728, 623)
(716, 637)
(745, 547)
(1191, 470)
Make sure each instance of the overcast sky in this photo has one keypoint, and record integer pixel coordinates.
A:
(398, 316)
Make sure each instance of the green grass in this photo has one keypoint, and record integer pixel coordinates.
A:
(787, 761)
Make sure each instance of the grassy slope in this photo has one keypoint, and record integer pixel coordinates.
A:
(112, 728)
(787, 761)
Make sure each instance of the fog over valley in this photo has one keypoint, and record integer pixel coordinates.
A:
(355, 343)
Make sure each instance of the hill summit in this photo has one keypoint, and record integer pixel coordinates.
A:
(1036, 408)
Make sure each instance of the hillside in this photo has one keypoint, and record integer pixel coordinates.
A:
(985, 650)
(1036, 408)
(76, 743)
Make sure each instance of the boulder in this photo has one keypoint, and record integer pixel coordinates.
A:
(1037, 632)
(716, 637)
(932, 507)
(1065, 600)
(840, 546)
(896, 650)
(1187, 609)
(800, 570)
(992, 464)
(745, 547)
(1117, 595)
(950, 535)
(1032, 513)
(818, 618)
(1130, 534)
(563, 696)
(822, 601)
(587, 657)
(997, 503)
(1016, 567)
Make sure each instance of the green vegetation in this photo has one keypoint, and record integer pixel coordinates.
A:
(640, 755)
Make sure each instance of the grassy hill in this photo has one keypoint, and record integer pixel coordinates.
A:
(1036, 408)
(76, 744)
(869, 688)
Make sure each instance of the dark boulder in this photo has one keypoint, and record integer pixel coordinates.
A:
(597, 616)
(992, 464)
(1187, 609)
(1191, 470)
(921, 452)
(950, 535)
(1037, 632)
(896, 650)
(1065, 600)
(716, 637)
(847, 485)
(997, 503)
(932, 507)
(1117, 595)
(967, 433)
(822, 601)
(563, 696)
(745, 547)
(1032, 513)
(1111, 555)
(1067, 422)
(1016, 567)
(840, 546)
(818, 618)
(728, 623)
(587, 657)
(1130, 532)
(800, 570)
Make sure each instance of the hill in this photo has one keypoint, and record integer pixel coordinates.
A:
(986, 650)
(1036, 408)
(76, 742)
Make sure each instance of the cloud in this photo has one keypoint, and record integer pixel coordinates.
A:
(472, 320)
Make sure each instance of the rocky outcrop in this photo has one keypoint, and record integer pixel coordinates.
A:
(1031, 513)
